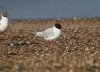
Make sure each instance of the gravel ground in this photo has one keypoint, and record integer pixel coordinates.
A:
(76, 50)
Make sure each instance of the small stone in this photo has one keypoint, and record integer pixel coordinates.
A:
(11, 44)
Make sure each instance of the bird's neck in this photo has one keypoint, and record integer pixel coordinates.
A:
(55, 29)
(4, 18)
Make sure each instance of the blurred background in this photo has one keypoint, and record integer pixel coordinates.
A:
(23, 9)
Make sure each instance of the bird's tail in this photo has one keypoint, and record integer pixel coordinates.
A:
(40, 34)
(37, 34)
(34, 33)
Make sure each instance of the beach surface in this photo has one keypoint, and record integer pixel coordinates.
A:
(76, 50)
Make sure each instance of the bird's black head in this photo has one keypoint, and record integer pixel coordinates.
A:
(5, 14)
(57, 25)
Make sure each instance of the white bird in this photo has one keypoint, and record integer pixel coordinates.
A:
(50, 33)
(4, 22)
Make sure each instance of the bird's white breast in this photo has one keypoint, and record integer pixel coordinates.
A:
(56, 34)
(3, 24)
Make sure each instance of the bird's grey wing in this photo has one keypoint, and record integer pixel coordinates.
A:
(48, 32)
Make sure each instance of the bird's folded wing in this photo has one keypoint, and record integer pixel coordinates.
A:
(48, 32)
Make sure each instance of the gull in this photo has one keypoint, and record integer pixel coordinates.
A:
(50, 33)
(4, 22)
